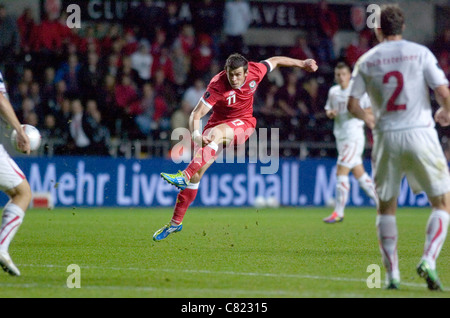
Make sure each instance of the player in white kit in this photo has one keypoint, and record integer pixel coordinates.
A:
(350, 141)
(13, 183)
(397, 75)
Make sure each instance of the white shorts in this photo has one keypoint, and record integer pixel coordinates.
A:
(350, 151)
(416, 154)
(10, 173)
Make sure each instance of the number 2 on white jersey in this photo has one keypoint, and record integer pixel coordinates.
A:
(391, 106)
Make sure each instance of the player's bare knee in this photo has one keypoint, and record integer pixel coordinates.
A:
(21, 195)
(196, 178)
(441, 202)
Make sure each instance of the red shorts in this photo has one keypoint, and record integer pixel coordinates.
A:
(242, 128)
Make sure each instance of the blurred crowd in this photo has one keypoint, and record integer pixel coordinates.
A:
(141, 78)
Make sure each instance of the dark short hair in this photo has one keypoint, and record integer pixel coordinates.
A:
(391, 19)
(235, 61)
(342, 65)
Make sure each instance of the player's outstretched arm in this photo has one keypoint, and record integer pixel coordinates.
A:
(7, 112)
(194, 124)
(308, 65)
(442, 115)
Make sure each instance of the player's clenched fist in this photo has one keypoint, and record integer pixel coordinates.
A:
(442, 117)
(310, 65)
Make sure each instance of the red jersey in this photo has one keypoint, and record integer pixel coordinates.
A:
(228, 103)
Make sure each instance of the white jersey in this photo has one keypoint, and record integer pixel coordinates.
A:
(396, 75)
(345, 125)
(3, 86)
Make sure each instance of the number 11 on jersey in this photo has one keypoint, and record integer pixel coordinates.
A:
(231, 99)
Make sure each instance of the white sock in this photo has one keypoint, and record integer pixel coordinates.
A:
(11, 220)
(366, 183)
(387, 238)
(435, 236)
(342, 189)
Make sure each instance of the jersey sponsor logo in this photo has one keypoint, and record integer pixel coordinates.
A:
(206, 95)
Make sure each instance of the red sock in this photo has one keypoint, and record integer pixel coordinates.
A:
(184, 200)
(201, 158)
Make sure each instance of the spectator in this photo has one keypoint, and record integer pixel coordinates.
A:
(301, 49)
(442, 42)
(181, 66)
(80, 131)
(101, 136)
(89, 40)
(19, 94)
(26, 108)
(172, 22)
(53, 136)
(142, 61)
(126, 95)
(26, 25)
(202, 56)
(355, 50)
(48, 85)
(36, 97)
(310, 97)
(60, 92)
(164, 62)
(180, 120)
(31, 119)
(444, 62)
(107, 41)
(208, 19)
(152, 108)
(126, 69)
(237, 18)
(106, 102)
(312, 101)
(69, 72)
(90, 77)
(147, 17)
(291, 108)
(64, 115)
(112, 64)
(9, 44)
(186, 39)
(267, 111)
(158, 43)
(130, 43)
(180, 117)
(193, 93)
(328, 26)
(47, 40)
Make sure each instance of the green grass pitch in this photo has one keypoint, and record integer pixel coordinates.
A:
(221, 253)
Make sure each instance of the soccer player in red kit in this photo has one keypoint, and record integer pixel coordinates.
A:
(230, 96)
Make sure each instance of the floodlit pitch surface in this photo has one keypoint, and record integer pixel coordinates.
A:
(221, 252)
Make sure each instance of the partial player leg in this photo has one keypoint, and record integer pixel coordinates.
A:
(184, 200)
(342, 190)
(221, 134)
(12, 218)
(387, 238)
(366, 183)
(436, 233)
